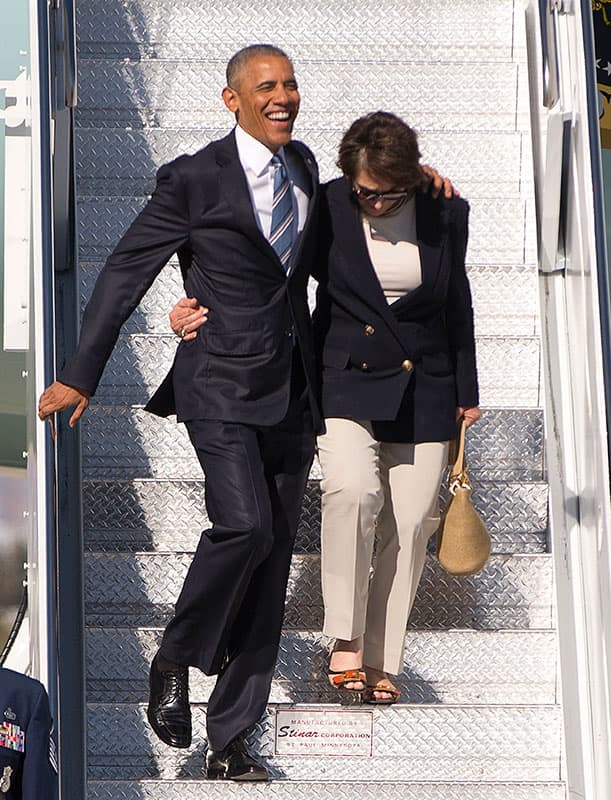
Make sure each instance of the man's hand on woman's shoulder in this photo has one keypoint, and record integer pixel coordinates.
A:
(437, 185)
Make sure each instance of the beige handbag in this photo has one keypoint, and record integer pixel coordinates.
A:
(463, 541)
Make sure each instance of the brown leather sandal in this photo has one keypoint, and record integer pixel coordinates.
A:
(381, 686)
(339, 679)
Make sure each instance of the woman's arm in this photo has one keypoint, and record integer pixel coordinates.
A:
(459, 318)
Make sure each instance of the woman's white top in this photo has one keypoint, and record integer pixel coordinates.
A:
(393, 250)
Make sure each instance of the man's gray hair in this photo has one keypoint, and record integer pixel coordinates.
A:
(238, 61)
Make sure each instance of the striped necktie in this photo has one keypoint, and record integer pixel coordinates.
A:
(281, 233)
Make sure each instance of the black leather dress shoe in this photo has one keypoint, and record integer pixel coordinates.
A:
(235, 763)
(168, 712)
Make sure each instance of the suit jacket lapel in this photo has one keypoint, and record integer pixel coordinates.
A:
(237, 194)
(351, 236)
(312, 204)
(234, 187)
(431, 228)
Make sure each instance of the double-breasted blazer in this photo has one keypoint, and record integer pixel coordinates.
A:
(238, 367)
(404, 366)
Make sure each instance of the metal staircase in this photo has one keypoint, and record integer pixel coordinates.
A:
(480, 715)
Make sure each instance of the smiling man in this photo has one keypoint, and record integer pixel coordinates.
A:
(241, 215)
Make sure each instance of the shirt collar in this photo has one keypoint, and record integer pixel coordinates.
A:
(254, 155)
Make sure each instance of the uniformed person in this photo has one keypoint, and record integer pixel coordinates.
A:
(28, 756)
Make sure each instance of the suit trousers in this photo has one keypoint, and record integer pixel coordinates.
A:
(382, 491)
(228, 617)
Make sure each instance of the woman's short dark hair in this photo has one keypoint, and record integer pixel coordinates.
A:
(385, 146)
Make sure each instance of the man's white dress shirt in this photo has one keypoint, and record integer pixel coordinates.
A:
(255, 159)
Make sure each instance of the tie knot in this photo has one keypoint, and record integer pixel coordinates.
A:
(279, 168)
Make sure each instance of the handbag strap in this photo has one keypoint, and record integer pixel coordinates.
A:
(458, 474)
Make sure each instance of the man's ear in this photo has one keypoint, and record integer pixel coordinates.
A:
(231, 99)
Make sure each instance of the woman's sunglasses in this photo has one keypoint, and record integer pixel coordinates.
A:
(374, 197)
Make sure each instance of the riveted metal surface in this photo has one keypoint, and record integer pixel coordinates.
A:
(313, 790)
(435, 743)
(120, 162)
(504, 300)
(457, 667)
(139, 589)
(496, 228)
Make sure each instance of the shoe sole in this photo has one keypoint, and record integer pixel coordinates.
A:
(350, 697)
(181, 744)
(246, 777)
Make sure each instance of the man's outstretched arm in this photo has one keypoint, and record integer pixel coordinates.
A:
(156, 234)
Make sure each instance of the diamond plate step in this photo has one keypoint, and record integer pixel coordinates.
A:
(496, 229)
(456, 667)
(134, 541)
(119, 162)
(410, 743)
(152, 514)
(159, 93)
(504, 299)
(331, 790)
(168, 30)
(125, 442)
(118, 541)
(508, 369)
(139, 589)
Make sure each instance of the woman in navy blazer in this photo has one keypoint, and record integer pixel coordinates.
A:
(394, 333)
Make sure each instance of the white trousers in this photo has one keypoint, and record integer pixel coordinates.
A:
(388, 491)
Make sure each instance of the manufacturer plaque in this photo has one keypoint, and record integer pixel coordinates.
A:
(317, 732)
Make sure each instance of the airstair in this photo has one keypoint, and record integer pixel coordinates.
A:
(480, 716)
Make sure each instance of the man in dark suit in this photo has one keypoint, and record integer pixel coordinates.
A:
(241, 215)
(28, 757)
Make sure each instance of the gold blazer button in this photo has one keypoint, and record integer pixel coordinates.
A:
(369, 330)
(407, 365)
(364, 365)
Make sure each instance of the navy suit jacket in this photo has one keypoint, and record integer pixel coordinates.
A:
(363, 343)
(238, 367)
(28, 760)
